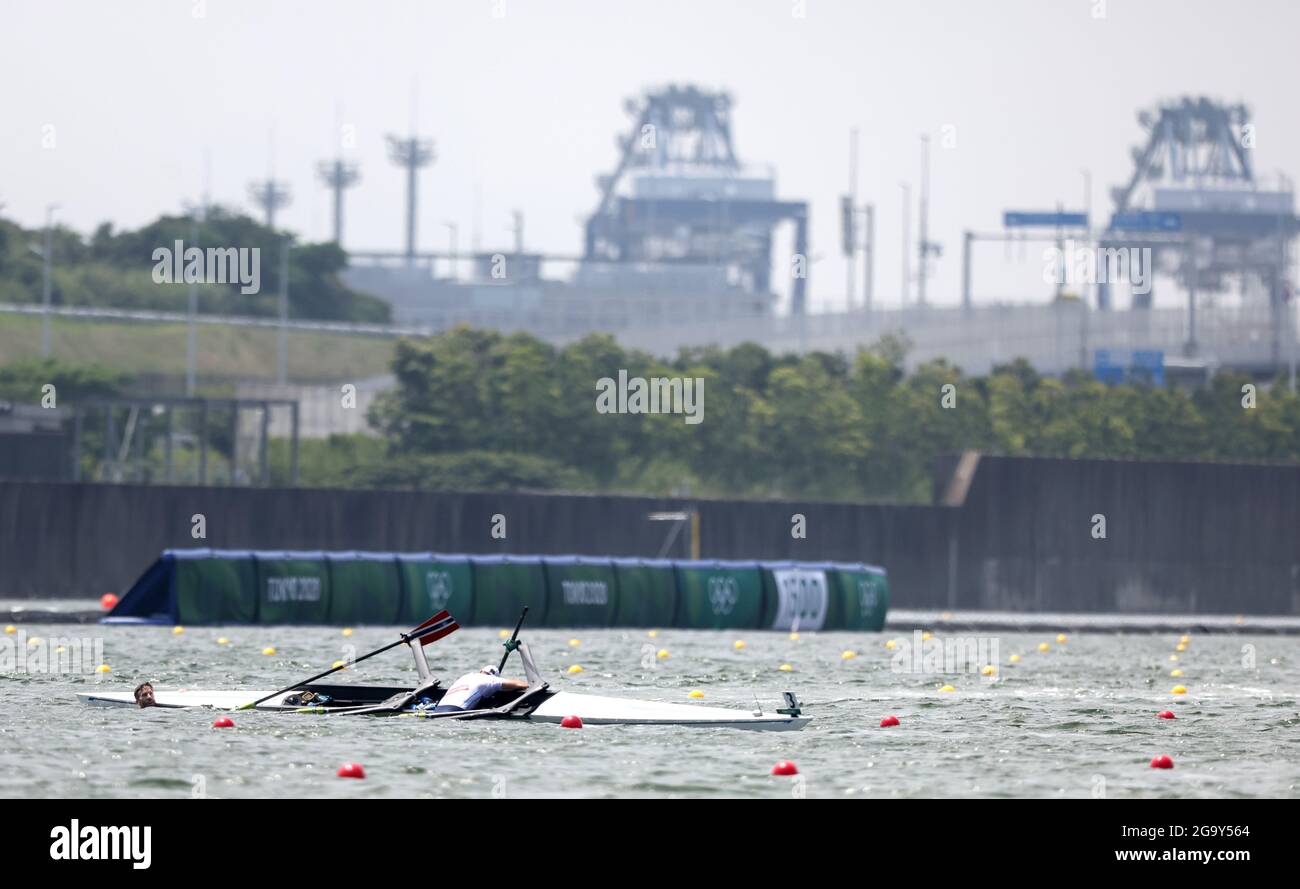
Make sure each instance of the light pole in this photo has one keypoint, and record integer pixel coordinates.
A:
(191, 334)
(907, 237)
(453, 234)
(851, 240)
(923, 251)
(869, 257)
(47, 250)
(282, 334)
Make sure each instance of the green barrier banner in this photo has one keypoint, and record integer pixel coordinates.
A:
(580, 593)
(294, 589)
(800, 599)
(364, 589)
(218, 590)
(503, 586)
(432, 583)
(863, 599)
(647, 594)
(205, 586)
(719, 597)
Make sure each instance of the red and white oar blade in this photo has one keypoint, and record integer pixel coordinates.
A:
(437, 618)
(437, 627)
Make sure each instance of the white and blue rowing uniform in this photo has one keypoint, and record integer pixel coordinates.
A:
(469, 692)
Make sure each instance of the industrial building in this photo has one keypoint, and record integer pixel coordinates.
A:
(681, 233)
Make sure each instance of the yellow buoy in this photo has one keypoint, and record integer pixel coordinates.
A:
(1173, 657)
(1184, 639)
(948, 688)
(794, 637)
(848, 655)
(10, 629)
(59, 650)
(575, 669)
(989, 670)
(695, 693)
(1060, 638)
(786, 668)
(891, 644)
(269, 650)
(503, 634)
(176, 631)
(339, 665)
(738, 644)
(103, 668)
(927, 636)
(653, 634)
(574, 643)
(34, 641)
(347, 631)
(222, 640)
(1175, 673)
(1180, 690)
(1015, 658)
(662, 654)
(1043, 646)
(1180, 647)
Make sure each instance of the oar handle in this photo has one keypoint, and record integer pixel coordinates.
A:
(511, 644)
(252, 704)
(422, 630)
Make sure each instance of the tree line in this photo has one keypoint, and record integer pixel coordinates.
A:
(477, 409)
(115, 269)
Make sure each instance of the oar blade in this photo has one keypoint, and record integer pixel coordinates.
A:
(437, 627)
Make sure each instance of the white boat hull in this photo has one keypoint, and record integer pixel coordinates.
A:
(591, 709)
(597, 710)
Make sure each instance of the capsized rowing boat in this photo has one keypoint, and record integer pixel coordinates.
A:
(538, 703)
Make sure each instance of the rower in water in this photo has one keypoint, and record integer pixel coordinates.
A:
(471, 690)
(144, 695)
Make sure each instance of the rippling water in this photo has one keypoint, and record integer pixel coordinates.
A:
(1076, 721)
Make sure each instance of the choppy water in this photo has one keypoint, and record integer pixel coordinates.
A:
(1076, 721)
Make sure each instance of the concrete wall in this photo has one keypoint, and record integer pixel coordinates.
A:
(1180, 537)
(82, 540)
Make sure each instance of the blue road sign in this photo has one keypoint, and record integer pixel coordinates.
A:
(1023, 219)
(1115, 366)
(1147, 221)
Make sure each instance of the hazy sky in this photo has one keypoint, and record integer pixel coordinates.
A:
(525, 97)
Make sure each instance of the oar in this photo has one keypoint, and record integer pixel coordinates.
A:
(440, 625)
(511, 644)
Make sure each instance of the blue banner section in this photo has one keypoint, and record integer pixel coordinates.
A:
(1032, 219)
(1116, 366)
(1147, 221)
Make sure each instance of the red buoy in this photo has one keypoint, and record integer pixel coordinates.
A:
(108, 601)
(1162, 761)
(571, 722)
(785, 767)
(223, 722)
(1166, 714)
(351, 770)
(889, 722)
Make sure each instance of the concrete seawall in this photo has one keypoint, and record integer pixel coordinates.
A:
(1014, 534)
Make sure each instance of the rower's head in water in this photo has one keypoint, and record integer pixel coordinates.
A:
(144, 695)
(473, 690)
